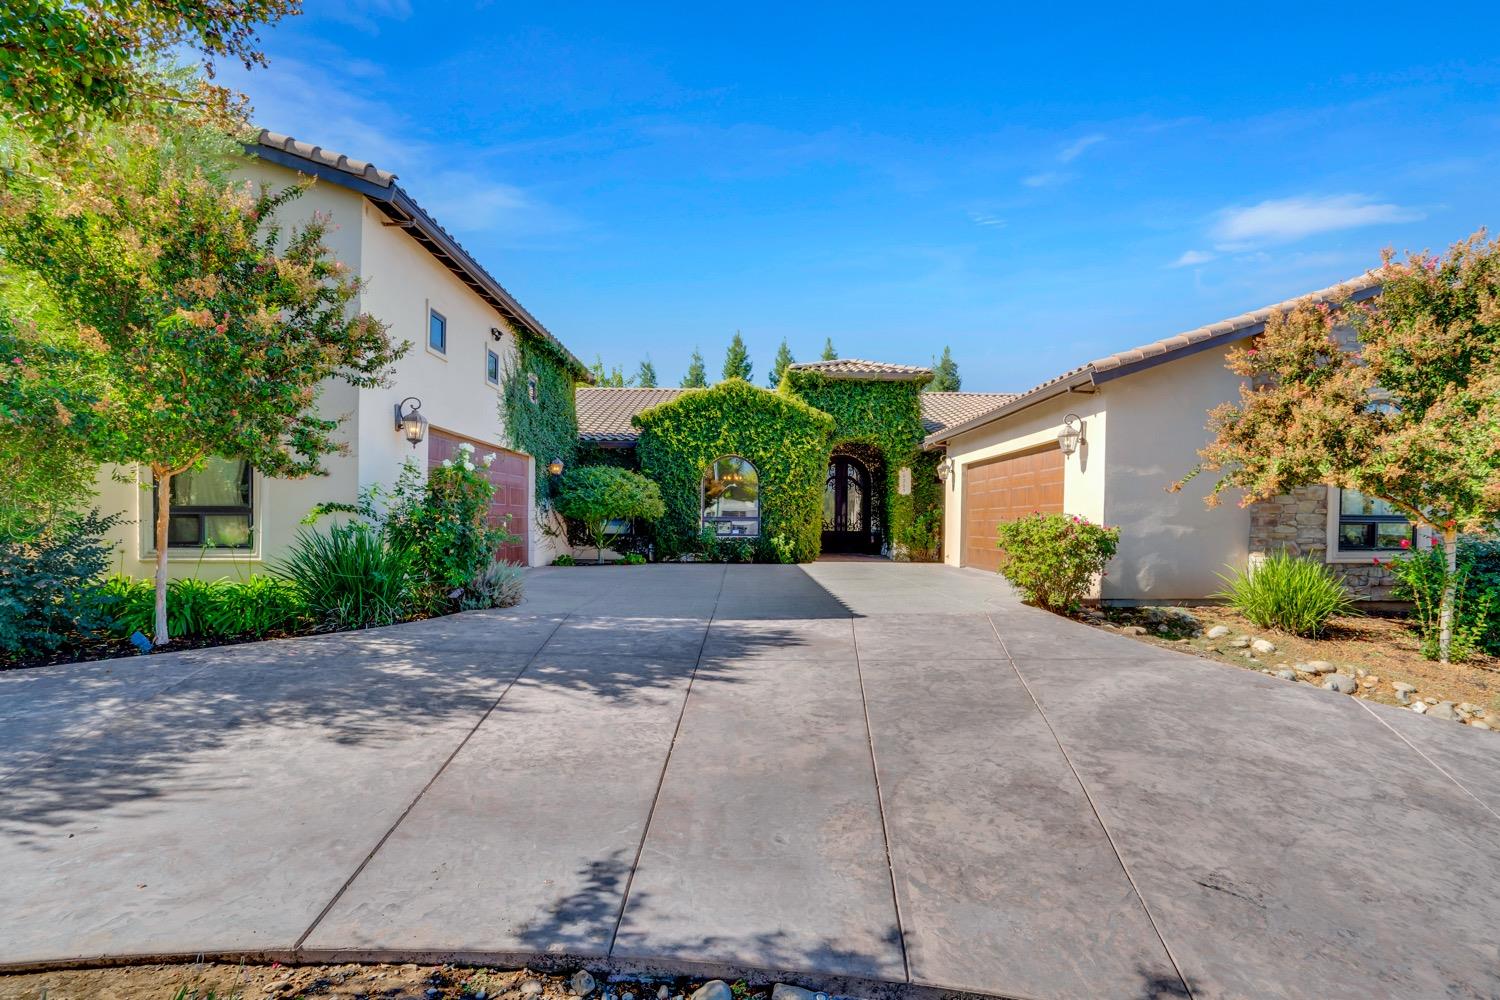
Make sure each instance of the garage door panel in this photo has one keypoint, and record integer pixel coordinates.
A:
(1003, 490)
(509, 474)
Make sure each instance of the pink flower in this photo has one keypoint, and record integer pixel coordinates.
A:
(1405, 544)
(17, 361)
(1376, 560)
(1432, 263)
(219, 328)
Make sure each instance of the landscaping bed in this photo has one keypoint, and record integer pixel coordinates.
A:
(348, 981)
(1376, 652)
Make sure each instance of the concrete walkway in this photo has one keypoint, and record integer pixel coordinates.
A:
(847, 774)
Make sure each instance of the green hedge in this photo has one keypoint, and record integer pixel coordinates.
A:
(785, 439)
(886, 415)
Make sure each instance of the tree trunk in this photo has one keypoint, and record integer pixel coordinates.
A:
(163, 518)
(1450, 593)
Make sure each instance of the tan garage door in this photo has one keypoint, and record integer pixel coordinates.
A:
(512, 486)
(1004, 489)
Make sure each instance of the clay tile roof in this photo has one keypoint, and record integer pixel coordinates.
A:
(327, 157)
(944, 409)
(857, 368)
(604, 413)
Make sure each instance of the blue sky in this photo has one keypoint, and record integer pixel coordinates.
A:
(1033, 189)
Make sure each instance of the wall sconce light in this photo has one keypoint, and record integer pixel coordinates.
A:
(1071, 435)
(944, 470)
(497, 334)
(555, 467)
(410, 422)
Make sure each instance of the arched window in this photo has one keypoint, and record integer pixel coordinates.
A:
(731, 498)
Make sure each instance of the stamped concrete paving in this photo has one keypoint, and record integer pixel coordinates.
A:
(847, 773)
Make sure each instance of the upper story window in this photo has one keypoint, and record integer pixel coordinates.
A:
(1370, 525)
(491, 366)
(211, 506)
(533, 387)
(731, 498)
(437, 331)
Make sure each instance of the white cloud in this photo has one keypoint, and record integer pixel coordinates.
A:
(1072, 151)
(1046, 178)
(1191, 257)
(366, 15)
(1283, 220)
(984, 219)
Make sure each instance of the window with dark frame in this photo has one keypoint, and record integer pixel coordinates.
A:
(491, 366)
(437, 331)
(1370, 525)
(533, 387)
(211, 506)
(731, 498)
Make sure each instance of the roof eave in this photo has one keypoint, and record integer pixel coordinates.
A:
(1021, 402)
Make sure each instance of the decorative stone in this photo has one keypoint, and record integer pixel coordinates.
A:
(582, 983)
(1133, 630)
(1479, 724)
(662, 993)
(1287, 675)
(1263, 646)
(714, 989)
(1443, 710)
(1470, 707)
(1319, 667)
(531, 988)
(1430, 701)
(782, 991)
(1240, 642)
(1218, 632)
(1342, 683)
(1420, 707)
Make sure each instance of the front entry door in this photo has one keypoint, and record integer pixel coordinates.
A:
(846, 508)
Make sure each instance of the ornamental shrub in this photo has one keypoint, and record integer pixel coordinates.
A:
(48, 584)
(594, 495)
(201, 609)
(498, 585)
(352, 576)
(1421, 578)
(1286, 593)
(1053, 559)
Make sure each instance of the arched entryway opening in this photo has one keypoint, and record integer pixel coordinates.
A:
(853, 501)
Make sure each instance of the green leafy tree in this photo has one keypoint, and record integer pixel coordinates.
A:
(829, 354)
(68, 65)
(646, 376)
(697, 376)
(781, 363)
(737, 359)
(1409, 412)
(944, 374)
(206, 330)
(596, 495)
(610, 378)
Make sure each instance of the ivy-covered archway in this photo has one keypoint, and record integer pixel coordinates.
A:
(786, 440)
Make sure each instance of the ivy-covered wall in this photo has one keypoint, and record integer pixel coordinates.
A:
(786, 440)
(883, 414)
(548, 427)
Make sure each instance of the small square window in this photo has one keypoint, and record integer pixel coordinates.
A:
(437, 331)
(491, 366)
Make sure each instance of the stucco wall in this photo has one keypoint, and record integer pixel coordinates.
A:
(1172, 545)
(1083, 472)
(402, 281)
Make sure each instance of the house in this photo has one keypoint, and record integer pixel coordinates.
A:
(1105, 440)
(482, 370)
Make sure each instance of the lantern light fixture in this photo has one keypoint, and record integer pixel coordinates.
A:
(944, 470)
(1071, 435)
(555, 467)
(410, 422)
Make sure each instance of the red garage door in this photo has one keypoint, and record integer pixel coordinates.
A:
(1004, 489)
(512, 486)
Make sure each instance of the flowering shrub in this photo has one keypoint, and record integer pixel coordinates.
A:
(1423, 577)
(1053, 559)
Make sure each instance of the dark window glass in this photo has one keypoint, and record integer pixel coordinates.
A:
(1370, 525)
(491, 367)
(211, 506)
(437, 332)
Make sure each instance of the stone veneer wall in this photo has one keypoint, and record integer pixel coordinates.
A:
(1298, 523)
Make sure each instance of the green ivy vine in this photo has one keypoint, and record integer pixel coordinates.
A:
(547, 428)
(784, 438)
(886, 415)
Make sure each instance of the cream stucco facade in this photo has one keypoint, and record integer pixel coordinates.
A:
(403, 281)
(1141, 433)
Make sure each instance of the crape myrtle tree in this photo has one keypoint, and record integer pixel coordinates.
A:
(206, 328)
(1408, 413)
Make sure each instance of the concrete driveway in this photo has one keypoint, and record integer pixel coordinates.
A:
(846, 774)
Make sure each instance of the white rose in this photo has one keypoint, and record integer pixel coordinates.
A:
(447, 463)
